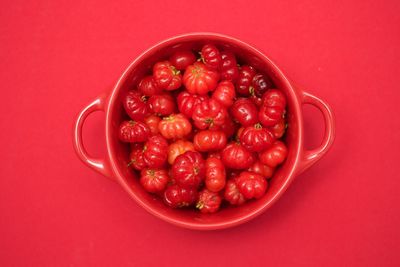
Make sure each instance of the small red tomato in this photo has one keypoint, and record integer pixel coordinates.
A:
(232, 193)
(211, 56)
(178, 148)
(225, 93)
(148, 86)
(229, 68)
(278, 130)
(182, 59)
(152, 122)
(162, 105)
(274, 98)
(256, 138)
(155, 151)
(135, 105)
(215, 175)
(209, 202)
(243, 83)
(274, 155)
(209, 114)
(256, 100)
(260, 84)
(188, 169)
(214, 155)
(251, 185)
(133, 132)
(179, 197)
(235, 156)
(262, 169)
(154, 180)
(273, 108)
(198, 79)
(208, 140)
(167, 76)
(187, 102)
(244, 111)
(136, 157)
(174, 126)
(229, 127)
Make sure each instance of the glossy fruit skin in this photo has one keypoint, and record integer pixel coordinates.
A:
(214, 155)
(245, 112)
(182, 59)
(261, 83)
(278, 130)
(274, 155)
(215, 178)
(188, 169)
(225, 93)
(135, 105)
(187, 102)
(208, 202)
(176, 196)
(155, 151)
(198, 79)
(232, 193)
(209, 114)
(148, 86)
(178, 148)
(229, 127)
(133, 132)
(211, 56)
(273, 107)
(245, 79)
(256, 138)
(175, 126)
(167, 76)
(251, 185)
(136, 160)
(262, 169)
(208, 140)
(235, 156)
(154, 180)
(152, 122)
(256, 100)
(229, 69)
(162, 105)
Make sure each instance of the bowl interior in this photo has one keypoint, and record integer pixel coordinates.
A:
(119, 152)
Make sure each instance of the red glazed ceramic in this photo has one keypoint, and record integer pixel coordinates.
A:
(113, 165)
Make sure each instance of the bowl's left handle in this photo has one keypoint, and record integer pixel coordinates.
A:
(100, 165)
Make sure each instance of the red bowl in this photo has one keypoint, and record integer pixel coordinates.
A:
(115, 162)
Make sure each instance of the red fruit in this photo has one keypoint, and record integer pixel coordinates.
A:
(188, 169)
(245, 112)
(155, 151)
(209, 140)
(262, 169)
(162, 105)
(148, 86)
(179, 197)
(215, 175)
(274, 155)
(154, 180)
(209, 202)
(167, 76)
(235, 156)
(211, 56)
(182, 59)
(152, 122)
(133, 132)
(229, 69)
(209, 114)
(214, 155)
(278, 130)
(261, 83)
(273, 108)
(135, 105)
(174, 126)
(256, 100)
(198, 79)
(256, 138)
(229, 127)
(251, 185)
(187, 102)
(245, 79)
(136, 157)
(178, 148)
(225, 93)
(232, 193)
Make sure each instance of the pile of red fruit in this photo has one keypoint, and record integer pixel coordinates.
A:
(205, 130)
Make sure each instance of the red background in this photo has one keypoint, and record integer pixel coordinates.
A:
(56, 56)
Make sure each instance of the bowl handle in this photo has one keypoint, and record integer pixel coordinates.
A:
(100, 165)
(309, 157)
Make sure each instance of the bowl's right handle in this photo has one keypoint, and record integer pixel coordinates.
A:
(309, 157)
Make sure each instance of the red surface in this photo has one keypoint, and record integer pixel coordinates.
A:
(58, 56)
